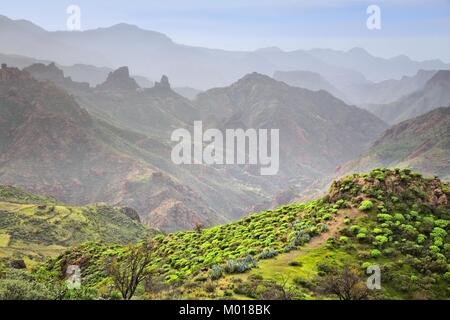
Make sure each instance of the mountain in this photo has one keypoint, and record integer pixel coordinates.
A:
(50, 145)
(33, 227)
(422, 143)
(59, 148)
(187, 92)
(433, 95)
(383, 220)
(152, 54)
(77, 72)
(308, 80)
(374, 68)
(388, 91)
(317, 130)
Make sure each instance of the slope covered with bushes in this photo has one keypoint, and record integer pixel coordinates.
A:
(394, 219)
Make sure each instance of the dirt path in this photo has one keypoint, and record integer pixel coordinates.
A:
(334, 226)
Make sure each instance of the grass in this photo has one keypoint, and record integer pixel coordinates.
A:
(4, 239)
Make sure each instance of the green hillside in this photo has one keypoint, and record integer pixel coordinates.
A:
(395, 219)
(33, 228)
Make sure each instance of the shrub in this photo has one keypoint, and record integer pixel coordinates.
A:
(267, 254)
(210, 287)
(381, 240)
(384, 217)
(215, 273)
(375, 253)
(233, 266)
(365, 205)
(21, 286)
(324, 268)
(377, 231)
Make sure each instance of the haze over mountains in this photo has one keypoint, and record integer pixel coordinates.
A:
(76, 123)
(434, 94)
(422, 143)
(95, 160)
(153, 54)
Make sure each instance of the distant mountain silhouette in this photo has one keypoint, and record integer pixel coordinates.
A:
(151, 54)
(421, 143)
(435, 94)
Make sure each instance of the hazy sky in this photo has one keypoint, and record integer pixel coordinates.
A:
(418, 28)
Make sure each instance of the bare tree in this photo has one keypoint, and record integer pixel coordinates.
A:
(345, 284)
(198, 227)
(131, 269)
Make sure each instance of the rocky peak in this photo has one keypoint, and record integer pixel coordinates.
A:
(51, 72)
(12, 74)
(163, 84)
(119, 80)
(40, 71)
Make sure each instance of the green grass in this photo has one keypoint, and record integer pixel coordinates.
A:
(4, 239)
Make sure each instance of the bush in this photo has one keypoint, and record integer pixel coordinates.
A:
(324, 268)
(365, 205)
(267, 254)
(375, 253)
(21, 286)
(215, 273)
(381, 240)
(233, 266)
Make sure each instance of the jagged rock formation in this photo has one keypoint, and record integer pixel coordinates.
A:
(119, 80)
(52, 73)
(163, 84)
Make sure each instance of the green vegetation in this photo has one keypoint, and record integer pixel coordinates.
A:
(395, 219)
(17, 195)
(33, 228)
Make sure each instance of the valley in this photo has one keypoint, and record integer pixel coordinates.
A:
(136, 167)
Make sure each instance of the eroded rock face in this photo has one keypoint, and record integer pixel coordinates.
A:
(163, 84)
(119, 80)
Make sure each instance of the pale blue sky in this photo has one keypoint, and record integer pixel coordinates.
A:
(418, 28)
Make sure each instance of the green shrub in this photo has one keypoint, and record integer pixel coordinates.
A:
(216, 272)
(375, 253)
(366, 205)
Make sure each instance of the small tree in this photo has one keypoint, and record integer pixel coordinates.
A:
(131, 269)
(198, 227)
(345, 284)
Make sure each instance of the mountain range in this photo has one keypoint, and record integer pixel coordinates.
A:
(434, 94)
(113, 142)
(153, 54)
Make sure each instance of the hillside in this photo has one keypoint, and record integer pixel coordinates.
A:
(435, 94)
(166, 195)
(388, 91)
(395, 219)
(308, 80)
(56, 147)
(317, 130)
(33, 227)
(421, 143)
